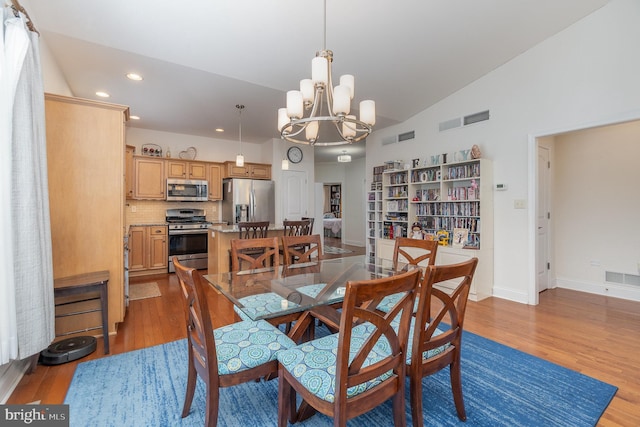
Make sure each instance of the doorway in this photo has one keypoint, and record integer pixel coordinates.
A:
(587, 191)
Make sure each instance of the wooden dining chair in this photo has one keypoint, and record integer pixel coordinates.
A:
(253, 229)
(311, 221)
(437, 332)
(231, 367)
(351, 372)
(297, 249)
(256, 253)
(412, 252)
(296, 228)
(415, 251)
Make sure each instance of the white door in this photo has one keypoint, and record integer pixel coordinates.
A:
(295, 204)
(542, 221)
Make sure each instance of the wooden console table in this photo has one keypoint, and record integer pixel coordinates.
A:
(83, 284)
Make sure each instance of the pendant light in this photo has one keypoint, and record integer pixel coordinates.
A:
(240, 157)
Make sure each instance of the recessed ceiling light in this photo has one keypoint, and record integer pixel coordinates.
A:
(134, 117)
(219, 130)
(134, 76)
(103, 94)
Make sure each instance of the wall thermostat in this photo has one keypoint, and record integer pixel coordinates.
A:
(501, 187)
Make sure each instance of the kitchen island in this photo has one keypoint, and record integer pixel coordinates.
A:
(219, 244)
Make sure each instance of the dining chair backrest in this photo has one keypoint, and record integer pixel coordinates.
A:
(253, 230)
(264, 252)
(298, 249)
(415, 251)
(202, 346)
(296, 228)
(438, 331)
(370, 352)
(311, 220)
(223, 371)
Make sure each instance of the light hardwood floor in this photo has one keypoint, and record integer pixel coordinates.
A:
(595, 335)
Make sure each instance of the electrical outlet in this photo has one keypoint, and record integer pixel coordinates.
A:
(134, 208)
(519, 204)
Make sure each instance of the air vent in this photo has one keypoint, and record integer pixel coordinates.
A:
(622, 278)
(450, 124)
(406, 136)
(463, 121)
(475, 118)
(389, 140)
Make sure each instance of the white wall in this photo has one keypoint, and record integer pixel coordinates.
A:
(585, 74)
(597, 203)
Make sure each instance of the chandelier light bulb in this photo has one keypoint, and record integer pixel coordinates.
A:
(349, 81)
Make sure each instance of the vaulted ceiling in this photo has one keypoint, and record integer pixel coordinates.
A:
(199, 58)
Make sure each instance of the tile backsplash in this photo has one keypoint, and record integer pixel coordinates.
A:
(154, 211)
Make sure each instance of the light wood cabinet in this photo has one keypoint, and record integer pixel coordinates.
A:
(215, 181)
(249, 170)
(86, 169)
(149, 181)
(147, 249)
(129, 151)
(186, 170)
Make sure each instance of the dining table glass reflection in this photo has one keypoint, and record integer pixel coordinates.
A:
(281, 294)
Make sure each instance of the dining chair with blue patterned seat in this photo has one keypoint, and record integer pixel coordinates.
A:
(436, 332)
(412, 252)
(250, 347)
(346, 374)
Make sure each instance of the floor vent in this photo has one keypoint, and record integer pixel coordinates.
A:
(622, 278)
(464, 121)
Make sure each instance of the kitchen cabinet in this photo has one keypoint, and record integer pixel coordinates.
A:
(149, 179)
(215, 180)
(249, 170)
(186, 170)
(148, 252)
(129, 151)
(85, 167)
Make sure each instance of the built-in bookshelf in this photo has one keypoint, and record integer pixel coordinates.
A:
(336, 200)
(441, 198)
(395, 197)
(374, 211)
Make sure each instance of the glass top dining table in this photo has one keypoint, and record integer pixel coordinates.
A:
(282, 294)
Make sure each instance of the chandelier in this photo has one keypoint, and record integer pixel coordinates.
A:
(312, 110)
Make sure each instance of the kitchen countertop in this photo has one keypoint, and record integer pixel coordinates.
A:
(234, 228)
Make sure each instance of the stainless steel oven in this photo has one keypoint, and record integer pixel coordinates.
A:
(188, 237)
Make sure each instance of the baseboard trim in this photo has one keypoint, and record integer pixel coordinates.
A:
(606, 289)
(10, 376)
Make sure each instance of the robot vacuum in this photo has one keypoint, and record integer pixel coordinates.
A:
(68, 350)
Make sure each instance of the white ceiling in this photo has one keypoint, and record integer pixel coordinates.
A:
(200, 58)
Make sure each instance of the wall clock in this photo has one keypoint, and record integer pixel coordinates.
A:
(294, 154)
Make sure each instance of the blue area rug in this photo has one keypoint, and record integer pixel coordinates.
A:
(502, 387)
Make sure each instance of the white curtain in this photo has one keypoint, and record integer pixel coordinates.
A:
(26, 270)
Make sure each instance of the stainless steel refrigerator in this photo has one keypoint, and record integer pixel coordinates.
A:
(248, 200)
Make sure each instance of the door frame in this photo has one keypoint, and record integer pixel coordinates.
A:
(532, 294)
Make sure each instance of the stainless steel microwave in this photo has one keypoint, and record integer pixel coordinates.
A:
(187, 190)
